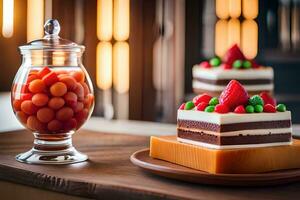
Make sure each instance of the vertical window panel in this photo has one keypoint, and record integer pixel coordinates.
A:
(221, 37)
(121, 67)
(121, 20)
(104, 65)
(250, 9)
(35, 19)
(104, 19)
(235, 7)
(234, 32)
(222, 9)
(249, 38)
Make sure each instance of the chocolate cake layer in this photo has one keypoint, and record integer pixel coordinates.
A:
(233, 140)
(234, 126)
(226, 81)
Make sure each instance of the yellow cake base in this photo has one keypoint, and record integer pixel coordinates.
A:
(233, 161)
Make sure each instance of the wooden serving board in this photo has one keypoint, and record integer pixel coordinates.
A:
(163, 168)
(109, 174)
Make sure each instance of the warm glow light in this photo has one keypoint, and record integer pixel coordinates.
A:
(8, 18)
(234, 32)
(104, 65)
(222, 9)
(250, 9)
(104, 19)
(121, 19)
(121, 67)
(221, 37)
(35, 19)
(235, 7)
(249, 38)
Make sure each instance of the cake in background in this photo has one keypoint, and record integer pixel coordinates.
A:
(212, 76)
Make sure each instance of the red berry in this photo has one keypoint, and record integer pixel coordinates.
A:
(267, 98)
(254, 64)
(201, 106)
(226, 66)
(269, 108)
(201, 98)
(181, 107)
(240, 109)
(234, 95)
(43, 72)
(205, 64)
(26, 96)
(232, 54)
(221, 108)
(50, 78)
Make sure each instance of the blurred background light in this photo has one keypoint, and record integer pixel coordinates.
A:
(250, 9)
(121, 67)
(104, 65)
(222, 9)
(221, 36)
(104, 19)
(35, 19)
(234, 32)
(235, 8)
(121, 20)
(249, 43)
(8, 18)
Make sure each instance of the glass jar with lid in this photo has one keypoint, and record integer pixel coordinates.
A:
(52, 96)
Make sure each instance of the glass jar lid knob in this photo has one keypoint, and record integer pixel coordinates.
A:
(51, 27)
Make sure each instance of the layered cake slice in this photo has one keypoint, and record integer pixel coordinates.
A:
(234, 120)
(212, 76)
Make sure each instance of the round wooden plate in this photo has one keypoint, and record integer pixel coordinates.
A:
(163, 168)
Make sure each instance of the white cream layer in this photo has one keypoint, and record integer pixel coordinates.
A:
(231, 118)
(219, 73)
(218, 88)
(212, 146)
(251, 132)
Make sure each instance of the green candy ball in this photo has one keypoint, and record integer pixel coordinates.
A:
(237, 64)
(281, 107)
(214, 101)
(189, 105)
(210, 109)
(249, 109)
(247, 64)
(216, 61)
(256, 100)
(258, 108)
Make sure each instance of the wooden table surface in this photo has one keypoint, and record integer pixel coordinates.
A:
(110, 175)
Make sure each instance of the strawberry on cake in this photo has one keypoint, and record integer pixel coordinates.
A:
(234, 120)
(212, 76)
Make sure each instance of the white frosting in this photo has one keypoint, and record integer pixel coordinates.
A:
(206, 86)
(212, 146)
(219, 73)
(230, 118)
(251, 132)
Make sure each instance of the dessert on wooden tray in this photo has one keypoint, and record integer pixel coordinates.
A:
(212, 76)
(232, 133)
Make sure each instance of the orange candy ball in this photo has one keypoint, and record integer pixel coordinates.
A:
(69, 81)
(22, 117)
(40, 99)
(79, 106)
(58, 89)
(78, 75)
(56, 103)
(64, 114)
(28, 107)
(34, 124)
(54, 125)
(70, 99)
(36, 86)
(79, 91)
(45, 115)
(17, 104)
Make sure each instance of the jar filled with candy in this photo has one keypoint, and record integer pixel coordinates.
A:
(52, 96)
